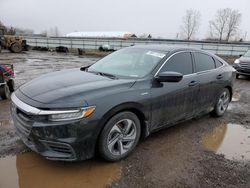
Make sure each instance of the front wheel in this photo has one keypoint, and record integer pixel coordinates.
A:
(119, 136)
(222, 103)
(4, 92)
(11, 85)
(16, 47)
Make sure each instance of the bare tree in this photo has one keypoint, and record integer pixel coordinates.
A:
(233, 24)
(218, 25)
(22, 31)
(44, 33)
(225, 24)
(11, 31)
(53, 31)
(190, 24)
(56, 30)
(1, 24)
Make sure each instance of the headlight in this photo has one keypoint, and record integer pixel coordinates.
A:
(71, 115)
(237, 61)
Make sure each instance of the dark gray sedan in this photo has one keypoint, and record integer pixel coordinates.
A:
(107, 107)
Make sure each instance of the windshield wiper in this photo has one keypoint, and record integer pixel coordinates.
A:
(105, 74)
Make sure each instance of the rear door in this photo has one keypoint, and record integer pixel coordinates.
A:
(209, 77)
(174, 101)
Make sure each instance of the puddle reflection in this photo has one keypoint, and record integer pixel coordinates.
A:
(30, 170)
(231, 140)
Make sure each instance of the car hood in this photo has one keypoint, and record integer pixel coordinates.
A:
(244, 59)
(70, 88)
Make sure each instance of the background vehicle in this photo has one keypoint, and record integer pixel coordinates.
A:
(13, 43)
(242, 65)
(109, 106)
(6, 80)
(106, 48)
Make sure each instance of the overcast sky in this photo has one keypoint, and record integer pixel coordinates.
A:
(158, 17)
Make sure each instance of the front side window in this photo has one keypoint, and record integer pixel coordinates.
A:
(203, 62)
(181, 62)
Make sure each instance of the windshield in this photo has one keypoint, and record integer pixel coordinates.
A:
(247, 54)
(128, 62)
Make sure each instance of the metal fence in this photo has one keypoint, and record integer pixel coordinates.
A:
(234, 49)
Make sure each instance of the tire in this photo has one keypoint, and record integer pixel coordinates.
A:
(222, 103)
(4, 92)
(16, 47)
(119, 136)
(11, 85)
(237, 76)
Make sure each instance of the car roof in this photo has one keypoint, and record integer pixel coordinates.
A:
(164, 47)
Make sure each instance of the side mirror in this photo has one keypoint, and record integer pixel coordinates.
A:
(169, 77)
(240, 55)
(84, 68)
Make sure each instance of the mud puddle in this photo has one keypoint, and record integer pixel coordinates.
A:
(30, 170)
(231, 140)
(5, 122)
(236, 97)
(5, 119)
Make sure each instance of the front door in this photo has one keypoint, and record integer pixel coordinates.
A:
(174, 101)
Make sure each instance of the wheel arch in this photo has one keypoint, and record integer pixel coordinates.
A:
(230, 91)
(133, 107)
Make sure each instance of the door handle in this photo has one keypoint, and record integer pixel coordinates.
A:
(192, 83)
(220, 76)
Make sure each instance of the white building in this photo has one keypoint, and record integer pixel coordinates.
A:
(101, 34)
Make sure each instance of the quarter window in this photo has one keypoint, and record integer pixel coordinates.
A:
(203, 62)
(181, 62)
(218, 63)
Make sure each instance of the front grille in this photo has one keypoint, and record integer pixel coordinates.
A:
(245, 65)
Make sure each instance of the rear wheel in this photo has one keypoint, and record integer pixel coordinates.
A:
(119, 136)
(4, 92)
(11, 85)
(16, 47)
(222, 103)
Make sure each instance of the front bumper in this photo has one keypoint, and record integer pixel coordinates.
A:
(66, 140)
(242, 70)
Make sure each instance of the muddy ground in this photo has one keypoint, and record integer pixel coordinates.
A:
(204, 152)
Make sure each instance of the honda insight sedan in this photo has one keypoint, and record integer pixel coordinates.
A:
(106, 108)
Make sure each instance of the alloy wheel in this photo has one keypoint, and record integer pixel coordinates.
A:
(223, 102)
(122, 137)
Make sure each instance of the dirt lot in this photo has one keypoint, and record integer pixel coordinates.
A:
(204, 152)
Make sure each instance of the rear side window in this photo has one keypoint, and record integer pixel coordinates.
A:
(181, 62)
(203, 62)
(217, 63)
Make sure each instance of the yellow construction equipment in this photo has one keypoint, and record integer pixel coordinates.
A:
(13, 43)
